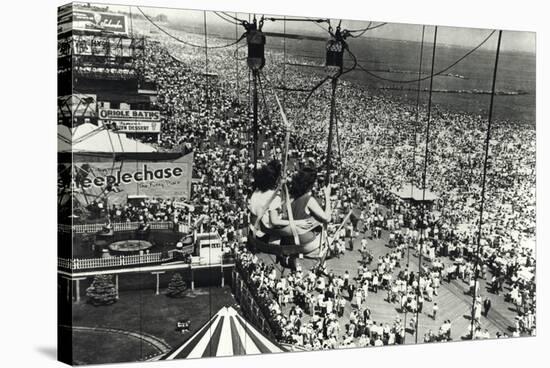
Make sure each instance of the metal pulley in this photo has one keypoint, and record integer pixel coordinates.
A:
(255, 39)
(335, 54)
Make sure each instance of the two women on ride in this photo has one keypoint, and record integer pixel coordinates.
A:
(272, 206)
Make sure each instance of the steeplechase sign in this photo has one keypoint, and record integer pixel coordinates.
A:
(118, 180)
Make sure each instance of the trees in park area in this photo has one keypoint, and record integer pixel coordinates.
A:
(102, 291)
(176, 286)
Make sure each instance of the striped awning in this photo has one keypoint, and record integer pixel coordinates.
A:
(226, 334)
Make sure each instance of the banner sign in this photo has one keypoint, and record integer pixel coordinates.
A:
(104, 72)
(138, 115)
(115, 181)
(135, 126)
(91, 45)
(92, 21)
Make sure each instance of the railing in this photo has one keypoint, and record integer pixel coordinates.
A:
(113, 261)
(117, 226)
(249, 305)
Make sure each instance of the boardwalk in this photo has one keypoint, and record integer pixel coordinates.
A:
(453, 301)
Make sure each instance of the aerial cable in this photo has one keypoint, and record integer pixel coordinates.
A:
(315, 88)
(334, 64)
(64, 139)
(429, 76)
(330, 129)
(424, 175)
(183, 41)
(266, 110)
(316, 21)
(221, 16)
(310, 91)
(337, 136)
(237, 20)
(281, 186)
(335, 48)
(284, 59)
(363, 31)
(237, 63)
(354, 66)
(255, 60)
(320, 26)
(483, 181)
(255, 125)
(206, 77)
(236, 53)
(413, 172)
(359, 30)
(417, 111)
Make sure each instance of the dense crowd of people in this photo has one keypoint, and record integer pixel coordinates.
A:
(379, 150)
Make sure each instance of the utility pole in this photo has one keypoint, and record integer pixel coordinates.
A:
(334, 66)
(255, 39)
(331, 129)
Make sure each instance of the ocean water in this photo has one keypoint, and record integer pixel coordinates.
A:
(516, 82)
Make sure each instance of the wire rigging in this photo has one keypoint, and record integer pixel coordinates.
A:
(237, 75)
(484, 181)
(429, 76)
(185, 42)
(320, 26)
(284, 59)
(237, 20)
(265, 106)
(359, 30)
(414, 144)
(224, 17)
(424, 175)
(369, 28)
(417, 110)
(316, 21)
(354, 66)
(349, 33)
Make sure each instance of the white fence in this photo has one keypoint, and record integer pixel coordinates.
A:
(117, 226)
(113, 261)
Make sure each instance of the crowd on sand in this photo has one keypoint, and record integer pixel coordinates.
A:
(379, 150)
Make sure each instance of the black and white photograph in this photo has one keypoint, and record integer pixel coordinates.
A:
(235, 183)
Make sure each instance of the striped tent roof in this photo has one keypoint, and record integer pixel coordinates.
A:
(227, 333)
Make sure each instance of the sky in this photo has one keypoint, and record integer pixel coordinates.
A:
(514, 41)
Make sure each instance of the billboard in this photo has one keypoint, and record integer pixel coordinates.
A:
(120, 114)
(116, 180)
(90, 20)
(137, 126)
(132, 121)
(95, 45)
